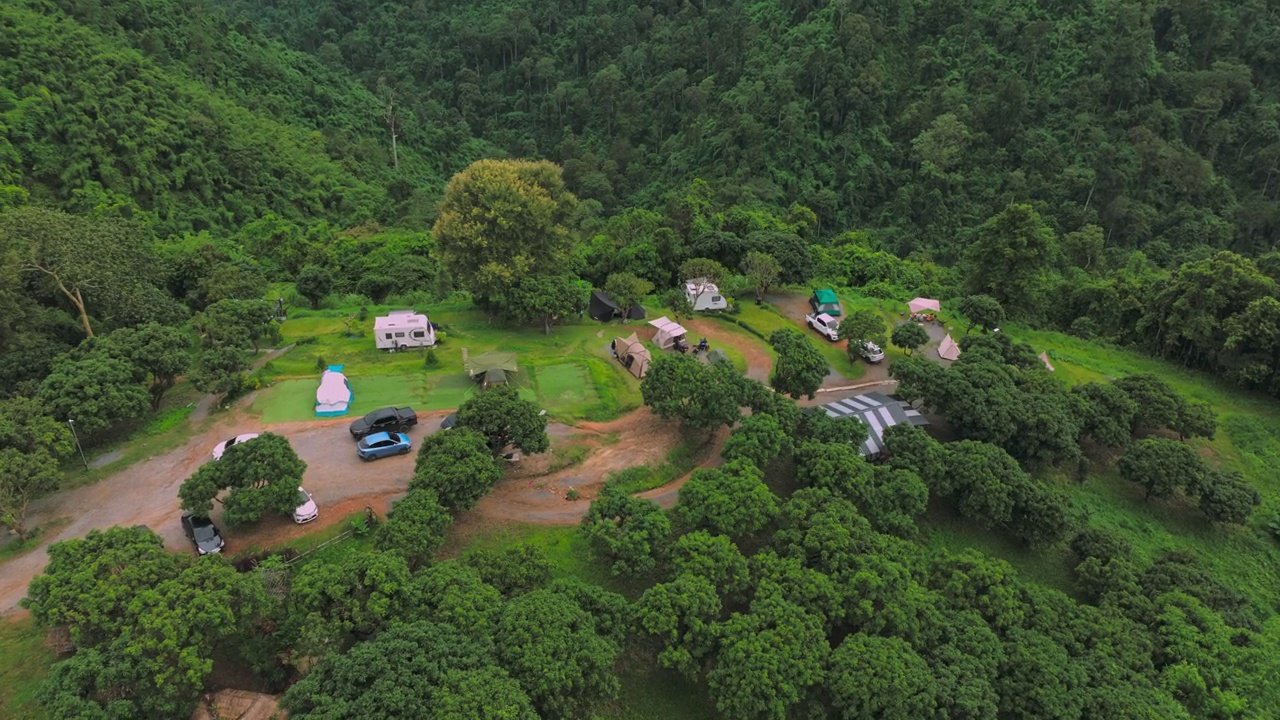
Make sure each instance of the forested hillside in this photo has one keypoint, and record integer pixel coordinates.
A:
(1159, 121)
(169, 112)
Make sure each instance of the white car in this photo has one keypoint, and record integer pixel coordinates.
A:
(871, 352)
(306, 510)
(221, 447)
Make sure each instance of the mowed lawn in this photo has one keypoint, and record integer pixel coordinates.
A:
(24, 663)
(569, 372)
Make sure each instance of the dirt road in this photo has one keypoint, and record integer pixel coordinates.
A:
(147, 492)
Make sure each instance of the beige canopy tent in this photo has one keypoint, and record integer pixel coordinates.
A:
(633, 355)
(669, 333)
(947, 349)
(922, 304)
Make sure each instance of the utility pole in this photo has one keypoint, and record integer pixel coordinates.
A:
(72, 423)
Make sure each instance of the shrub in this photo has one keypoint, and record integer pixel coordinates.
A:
(431, 361)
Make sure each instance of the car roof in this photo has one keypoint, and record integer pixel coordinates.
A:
(826, 318)
(375, 437)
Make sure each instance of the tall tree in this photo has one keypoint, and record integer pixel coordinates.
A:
(24, 476)
(800, 368)
(1009, 256)
(163, 352)
(632, 532)
(505, 418)
(98, 264)
(860, 327)
(703, 395)
(882, 678)
(414, 527)
(982, 310)
(910, 336)
(94, 392)
(457, 465)
(627, 290)
(314, 283)
(263, 475)
(762, 270)
(503, 220)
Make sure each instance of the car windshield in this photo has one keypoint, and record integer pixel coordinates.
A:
(204, 532)
(302, 498)
(230, 442)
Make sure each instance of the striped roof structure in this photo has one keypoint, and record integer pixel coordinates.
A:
(877, 411)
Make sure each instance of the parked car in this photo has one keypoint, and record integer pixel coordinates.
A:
(388, 419)
(871, 352)
(449, 421)
(202, 533)
(379, 445)
(306, 510)
(827, 326)
(221, 447)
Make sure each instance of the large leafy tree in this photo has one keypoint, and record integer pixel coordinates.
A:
(414, 528)
(546, 298)
(99, 265)
(553, 648)
(94, 392)
(235, 323)
(800, 368)
(1227, 498)
(860, 327)
(731, 500)
(502, 221)
(1157, 403)
(333, 603)
(758, 439)
(983, 311)
(1162, 467)
(457, 465)
(882, 678)
(422, 669)
(762, 270)
(769, 659)
(161, 352)
(1106, 413)
(25, 425)
(703, 395)
(681, 613)
(713, 557)
(910, 336)
(632, 532)
(1010, 255)
(314, 283)
(24, 476)
(262, 475)
(505, 418)
(627, 290)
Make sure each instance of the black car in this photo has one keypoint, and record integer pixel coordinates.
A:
(390, 419)
(203, 533)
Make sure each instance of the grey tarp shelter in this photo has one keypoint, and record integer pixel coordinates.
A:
(604, 308)
(633, 355)
(877, 411)
(491, 368)
(717, 355)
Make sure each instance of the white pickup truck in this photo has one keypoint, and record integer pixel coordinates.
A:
(829, 328)
(826, 325)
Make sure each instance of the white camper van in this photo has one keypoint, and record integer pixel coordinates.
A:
(403, 329)
(704, 295)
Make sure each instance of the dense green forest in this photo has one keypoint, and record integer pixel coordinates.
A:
(1105, 169)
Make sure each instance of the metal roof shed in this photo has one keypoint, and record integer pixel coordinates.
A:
(878, 412)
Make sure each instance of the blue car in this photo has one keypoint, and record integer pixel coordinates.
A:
(383, 444)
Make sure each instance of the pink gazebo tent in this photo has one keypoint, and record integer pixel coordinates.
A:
(921, 304)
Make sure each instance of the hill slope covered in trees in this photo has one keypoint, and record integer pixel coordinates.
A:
(1155, 120)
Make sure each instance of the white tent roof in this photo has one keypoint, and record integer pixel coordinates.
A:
(334, 395)
(668, 326)
(921, 304)
(947, 349)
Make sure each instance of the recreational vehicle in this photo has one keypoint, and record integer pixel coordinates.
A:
(403, 329)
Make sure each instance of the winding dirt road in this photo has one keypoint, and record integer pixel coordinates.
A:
(146, 493)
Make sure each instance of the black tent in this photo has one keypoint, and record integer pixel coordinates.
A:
(604, 309)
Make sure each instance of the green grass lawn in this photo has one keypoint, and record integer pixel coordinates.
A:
(24, 663)
(569, 372)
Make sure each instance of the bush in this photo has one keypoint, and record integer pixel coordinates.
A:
(307, 340)
(363, 314)
(431, 361)
(321, 363)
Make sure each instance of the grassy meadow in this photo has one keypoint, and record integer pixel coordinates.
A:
(569, 372)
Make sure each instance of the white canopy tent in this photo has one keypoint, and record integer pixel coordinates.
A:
(333, 397)
(947, 349)
(922, 304)
(669, 332)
